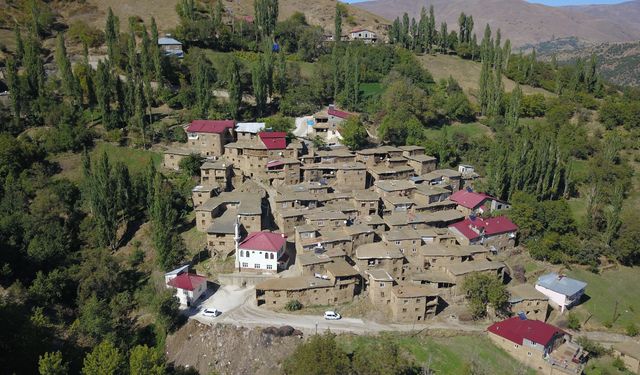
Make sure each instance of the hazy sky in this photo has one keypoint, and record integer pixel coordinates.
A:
(547, 2)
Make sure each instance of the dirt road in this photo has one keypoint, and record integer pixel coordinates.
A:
(239, 309)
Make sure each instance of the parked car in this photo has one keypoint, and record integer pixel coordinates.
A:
(211, 312)
(331, 315)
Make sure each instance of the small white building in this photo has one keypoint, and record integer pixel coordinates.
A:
(563, 292)
(170, 46)
(189, 287)
(364, 35)
(262, 252)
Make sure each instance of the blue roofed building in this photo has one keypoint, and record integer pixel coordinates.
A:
(170, 46)
(563, 292)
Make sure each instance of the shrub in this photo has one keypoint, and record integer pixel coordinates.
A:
(594, 348)
(293, 305)
(573, 322)
(80, 32)
(191, 164)
(632, 330)
(619, 364)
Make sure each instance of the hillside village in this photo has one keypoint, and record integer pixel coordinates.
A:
(263, 186)
(313, 227)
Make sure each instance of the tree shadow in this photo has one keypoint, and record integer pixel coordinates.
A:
(130, 232)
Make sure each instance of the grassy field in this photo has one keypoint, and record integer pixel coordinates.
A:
(135, 159)
(605, 290)
(472, 129)
(467, 73)
(445, 355)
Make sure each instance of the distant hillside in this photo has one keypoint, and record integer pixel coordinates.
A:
(618, 63)
(526, 23)
(467, 73)
(317, 12)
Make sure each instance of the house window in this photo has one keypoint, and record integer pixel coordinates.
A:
(382, 294)
(397, 242)
(266, 255)
(269, 267)
(529, 354)
(271, 256)
(256, 266)
(382, 285)
(245, 265)
(404, 310)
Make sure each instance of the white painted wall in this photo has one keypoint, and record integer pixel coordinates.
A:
(258, 260)
(556, 298)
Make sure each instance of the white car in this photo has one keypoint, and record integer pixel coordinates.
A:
(211, 312)
(331, 315)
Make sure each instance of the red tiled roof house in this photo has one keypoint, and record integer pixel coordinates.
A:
(208, 137)
(497, 233)
(262, 252)
(470, 202)
(189, 287)
(538, 345)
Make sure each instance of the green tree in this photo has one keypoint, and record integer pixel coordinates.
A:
(484, 290)
(260, 86)
(202, 81)
(99, 187)
(191, 164)
(320, 355)
(104, 95)
(19, 49)
(266, 16)
(338, 23)
(64, 67)
(234, 86)
(164, 219)
(383, 357)
(16, 95)
(146, 361)
(112, 33)
(52, 364)
(354, 134)
(104, 359)
(512, 114)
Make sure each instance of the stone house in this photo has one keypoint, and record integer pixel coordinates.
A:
(525, 299)
(443, 177)
(459, 271)
(170, 46)
(364, 35)
(421, 164)
(413, 303)
(216, 173)
(380, 255)
(379, 286)
(201, 194)
(335, 288)
(538, 345)
(373, 156)
(470, 202)
(366, 202)
(339, 176)
(497, 233)
(208, 137)
(173, 156)
(283, 172)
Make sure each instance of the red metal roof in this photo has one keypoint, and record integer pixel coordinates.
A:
(516, 330)
(491, 226)
(263, 241)
(187, 281)
(274, 140)
(338, 113)
(210, 126)
(469, 199)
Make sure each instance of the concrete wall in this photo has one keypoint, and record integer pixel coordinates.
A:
(172, 161)
(632, 364)
(555, 298)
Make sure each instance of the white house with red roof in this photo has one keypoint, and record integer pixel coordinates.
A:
(364, 35)
(189, 287)
(471, 202)
(497, 233)
(539, 345)
(262, 252)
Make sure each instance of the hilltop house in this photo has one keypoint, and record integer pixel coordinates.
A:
(262, 252)
(539, 345)
(364, 35)
(496, 233)
(563, 292)
(525, 299)
(170, 46)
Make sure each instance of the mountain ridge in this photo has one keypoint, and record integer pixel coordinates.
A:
(526, 23)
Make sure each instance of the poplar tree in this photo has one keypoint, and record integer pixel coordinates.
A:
(444, 42)
(431, 28)
(34, 67)
(506, 54)
(266, 16)
(405, 30)
(512, 114)
(112, 33)
(156, 56)
(19, 50)
(217, 15)
(103, 94)
(100, 185)
(282, 74)
(260, 86)
(462, 25)
(164, 220)
(234, 86)
(64, 67)
(338, 23)
(202, 82)
(15, 91)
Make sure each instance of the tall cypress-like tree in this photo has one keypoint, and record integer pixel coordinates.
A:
(431, 28)
(15, 91)
(156, 55)
(444, 34)
(260, 85)
(164, 219)
(405, 30)
(64, 67)
(234, 86)
(512, 114)
(100, 185)
(202, 82)
(34, 67)
(338, 23)
(266, 16)
(19, 50)
(103, 94)
(281, 83)
(111, 33)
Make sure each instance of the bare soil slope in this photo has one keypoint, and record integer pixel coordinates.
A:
(523, 22)
(229, 350)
